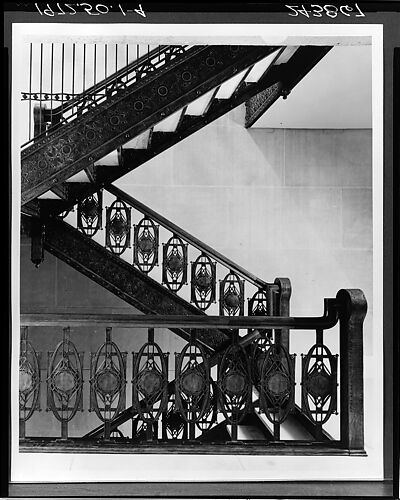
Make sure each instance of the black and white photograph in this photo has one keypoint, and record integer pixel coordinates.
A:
(197, 253)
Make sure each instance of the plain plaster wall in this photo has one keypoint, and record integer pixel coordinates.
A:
(279, 202)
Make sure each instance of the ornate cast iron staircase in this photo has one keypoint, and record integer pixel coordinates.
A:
(211, 345)
(132, 283)
(146, 108)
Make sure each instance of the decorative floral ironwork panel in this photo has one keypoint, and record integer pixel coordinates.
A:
(209, 417)
(145, 253)
(192, 382)
(234, 384)
(259, 351)
(108, 380)
(89, 214)
(319, 383)
(174, 425)
(118, 227)
(150, 381)
(277, 384)
(203, 282)
(65, 379)
(140, 429)
(259, 305)
(174, 263)
(231, 295)
(29, 378)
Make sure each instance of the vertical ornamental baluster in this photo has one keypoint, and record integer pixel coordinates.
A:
(234, 384)
(118, 227)
(192, 383)
(231, 295)
(29, 381)
(277, 384)
(203, 282)
(319, 383)
(89, 214)
(108, 382)
(64, 382)
(150, 381)
(174, 273)
(145, 250)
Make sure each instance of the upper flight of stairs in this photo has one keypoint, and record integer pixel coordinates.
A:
(130, 111)
(72, 161)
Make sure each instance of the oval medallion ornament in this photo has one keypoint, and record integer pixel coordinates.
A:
(118, 227)
(89, 214)
(234, 384)
(319, 383)
(174, 263)
(231, 295)
(150, 382)
(65, 380)
(108, 380)
(192, 382)
(29, 377)
(145, 253)
(203, 282)
(277, 384)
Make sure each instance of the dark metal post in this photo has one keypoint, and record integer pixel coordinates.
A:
(37, 239)
(353, 308)
(30, 91)
(285, 291)
(21, 428)
(40, 90)
(64, 429)
(107, 430)
(51, 82)
(84, 67)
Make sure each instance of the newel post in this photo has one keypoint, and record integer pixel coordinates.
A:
(283, 306)
(352, 311)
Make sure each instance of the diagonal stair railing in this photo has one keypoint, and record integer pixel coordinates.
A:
(136, 281)
(187, 268)
(72, 147)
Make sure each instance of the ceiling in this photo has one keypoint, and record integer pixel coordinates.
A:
(337, 93)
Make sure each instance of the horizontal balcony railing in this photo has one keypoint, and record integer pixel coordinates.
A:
(242, 405)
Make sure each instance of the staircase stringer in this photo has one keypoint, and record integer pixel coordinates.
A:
(122, 279)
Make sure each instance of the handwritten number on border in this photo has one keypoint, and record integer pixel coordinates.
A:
(329, 10)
